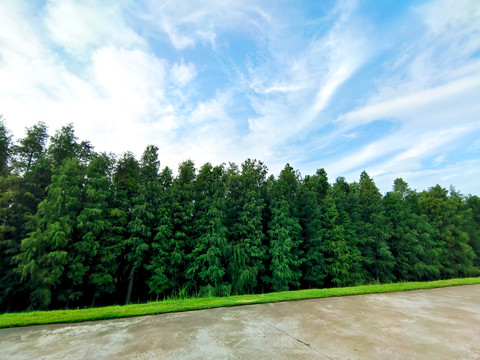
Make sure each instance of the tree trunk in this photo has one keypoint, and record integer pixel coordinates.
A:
(93, 300)
(30, 161)
(130, 286)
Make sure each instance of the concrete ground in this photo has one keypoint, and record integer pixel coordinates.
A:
(424, 324)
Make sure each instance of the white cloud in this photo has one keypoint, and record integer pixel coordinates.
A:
(182, 73)
(463, 175)
(438, 105)
(127, 75)
(347, 48)
(442, 52)
(290, 95)
(32, 76)
(430, 96)
(80, 26)
(187, 23)
(208, 134)
(117, 101)
(445, 16)
(124, 98)
(430, 124)
(420, 148)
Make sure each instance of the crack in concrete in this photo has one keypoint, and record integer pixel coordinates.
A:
(295, 338)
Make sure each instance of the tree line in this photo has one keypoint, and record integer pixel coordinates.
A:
(81, 228)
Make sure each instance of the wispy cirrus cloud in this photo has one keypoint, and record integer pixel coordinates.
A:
(427, 107)
(288, 104)
(429, 95)
(188, 23)
(317, 85)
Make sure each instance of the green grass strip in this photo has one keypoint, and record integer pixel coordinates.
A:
(167, 306)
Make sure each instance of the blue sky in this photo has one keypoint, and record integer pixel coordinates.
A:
(390, 87)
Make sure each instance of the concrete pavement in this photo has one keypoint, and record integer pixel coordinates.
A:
(422, 324)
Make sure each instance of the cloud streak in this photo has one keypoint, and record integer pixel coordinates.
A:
(316, 86)
(431, 101)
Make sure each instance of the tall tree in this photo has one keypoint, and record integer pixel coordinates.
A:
(473, 226)
(346, 199)
(5, 145)
(126, 179)
(64, 145)
(207, 267)
(163, 264)
(182, 206)
(311, 194)
(374, 232)
(412, 242)
(285, 232)
(22, 189)
(98, 248)
(448, 214)
(284, 236)
(8, 217)
(343, 257)
(47, 253)
(32, 147)
(246, 202)
(144, 214)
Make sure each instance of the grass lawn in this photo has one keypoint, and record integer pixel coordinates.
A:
(166, 306)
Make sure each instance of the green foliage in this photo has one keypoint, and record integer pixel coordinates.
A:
(5, 145)
(472, 226)
(32, 147)
(373, 231)
(413, 238)
(344, 258)
(98, 247)
(21, 192)
(182, 199)
(207, 267)
(311, 193)
(63, 145)
(284, 241)
(126, 179)
(47, 257)
(161, 267)
(80, 228)
(246, 201)
(450, 217)
(10, 221)
(144, 214)
(285, 233)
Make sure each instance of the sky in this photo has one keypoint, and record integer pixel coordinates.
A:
(389, 87)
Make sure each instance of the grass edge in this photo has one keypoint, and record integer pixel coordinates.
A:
(8, 320)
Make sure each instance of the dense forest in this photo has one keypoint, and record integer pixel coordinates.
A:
(80, 228)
